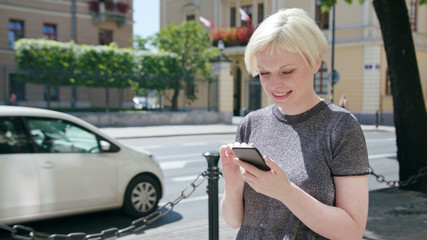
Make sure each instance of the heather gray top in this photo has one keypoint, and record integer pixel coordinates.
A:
(312, 148)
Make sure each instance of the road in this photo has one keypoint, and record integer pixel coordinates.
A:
(181, 159)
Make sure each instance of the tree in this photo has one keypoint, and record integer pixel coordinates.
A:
(105, 66)
(191, 44)
(410, 116)
(46, 62)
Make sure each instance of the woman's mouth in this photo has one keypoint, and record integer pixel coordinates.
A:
(281, 95)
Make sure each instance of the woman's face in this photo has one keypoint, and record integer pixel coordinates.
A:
(288, 81)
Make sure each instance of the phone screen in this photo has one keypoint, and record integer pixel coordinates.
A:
(251, 155)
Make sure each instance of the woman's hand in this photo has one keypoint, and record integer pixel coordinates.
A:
(273, 183)
(230, 170)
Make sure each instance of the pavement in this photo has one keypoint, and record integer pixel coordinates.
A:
(394, 214)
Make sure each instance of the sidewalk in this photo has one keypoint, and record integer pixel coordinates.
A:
(393, 214)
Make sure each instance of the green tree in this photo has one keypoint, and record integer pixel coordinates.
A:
(154, 71)
(410, 117)
(105, 66)
(191, 44)
(46, 62)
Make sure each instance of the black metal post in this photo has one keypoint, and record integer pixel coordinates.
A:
(213, 175)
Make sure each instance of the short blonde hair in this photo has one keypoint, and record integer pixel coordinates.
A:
(290, 30)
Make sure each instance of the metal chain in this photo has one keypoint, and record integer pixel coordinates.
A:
(413, 179)
(27, 233)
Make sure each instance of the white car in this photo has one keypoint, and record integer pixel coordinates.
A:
(53, 164)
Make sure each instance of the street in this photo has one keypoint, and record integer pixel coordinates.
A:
(181, 159)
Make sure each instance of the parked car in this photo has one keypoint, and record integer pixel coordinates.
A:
(53, 164)
(141, 103)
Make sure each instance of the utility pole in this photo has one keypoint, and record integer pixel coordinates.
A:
(74, 38)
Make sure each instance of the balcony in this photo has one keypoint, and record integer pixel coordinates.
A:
(232, 36)
(102, 11)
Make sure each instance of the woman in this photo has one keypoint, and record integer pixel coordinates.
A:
(318, 184)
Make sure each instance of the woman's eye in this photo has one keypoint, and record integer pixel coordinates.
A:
(288, 72)
(263, 73)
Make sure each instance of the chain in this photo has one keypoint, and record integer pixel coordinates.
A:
(26, 233)
(413, 179)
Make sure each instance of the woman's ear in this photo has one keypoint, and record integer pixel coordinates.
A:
(318, 64)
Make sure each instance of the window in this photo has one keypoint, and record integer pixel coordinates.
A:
(105, 37)
(16, 31)
(248, 10)
(413, 9)
(387, 83)
(59, 136)
(54, 93)
(260, 12)
(321, 80)
(49, 32)
(233, 17)
(190, 17)
(12, 136)
(322, 19)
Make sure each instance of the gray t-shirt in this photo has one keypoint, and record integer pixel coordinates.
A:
(312, 148)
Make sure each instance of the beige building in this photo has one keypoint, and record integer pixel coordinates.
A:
(93, 22)
(359, 55)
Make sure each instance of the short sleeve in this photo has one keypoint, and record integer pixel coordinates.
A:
(349, 152)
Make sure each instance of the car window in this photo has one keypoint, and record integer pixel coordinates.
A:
(59, 136)
(12, 136)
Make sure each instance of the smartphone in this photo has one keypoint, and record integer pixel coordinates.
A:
(251, 155)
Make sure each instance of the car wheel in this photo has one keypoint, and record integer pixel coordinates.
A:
(142, 196)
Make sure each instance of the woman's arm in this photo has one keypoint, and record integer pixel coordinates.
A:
(346, 220)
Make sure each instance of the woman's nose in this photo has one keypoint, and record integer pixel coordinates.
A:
(275, 81)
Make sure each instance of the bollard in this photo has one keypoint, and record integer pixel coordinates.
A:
(212, 189)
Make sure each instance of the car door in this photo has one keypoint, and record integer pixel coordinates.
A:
(19, 180)
(74, 174)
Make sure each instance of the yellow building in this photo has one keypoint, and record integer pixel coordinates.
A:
(359, 55)
(93, 22)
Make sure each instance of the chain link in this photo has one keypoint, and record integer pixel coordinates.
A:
(26, 233)
(411, 180)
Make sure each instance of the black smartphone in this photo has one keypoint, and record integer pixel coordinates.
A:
(251, 155)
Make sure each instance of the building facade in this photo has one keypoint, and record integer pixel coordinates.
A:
(359, 55)
(94, 22)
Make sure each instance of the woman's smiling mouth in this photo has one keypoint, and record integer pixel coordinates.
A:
(281, 94)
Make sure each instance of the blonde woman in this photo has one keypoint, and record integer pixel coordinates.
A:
(317, 187)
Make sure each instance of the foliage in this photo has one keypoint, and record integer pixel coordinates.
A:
(45, 61)
(55, 63)
(190, 42)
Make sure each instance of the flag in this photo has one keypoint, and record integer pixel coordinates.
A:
(244, 16)
(206, 22)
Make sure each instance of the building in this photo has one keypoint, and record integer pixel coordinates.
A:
(94, 22)
(359, 55)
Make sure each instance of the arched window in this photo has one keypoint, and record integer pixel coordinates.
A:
(321, 80)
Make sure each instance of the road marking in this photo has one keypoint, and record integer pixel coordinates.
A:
(172, 165)
(151, 147)
(177, 156)
(185, 179)
(384, 155)
(194, 144)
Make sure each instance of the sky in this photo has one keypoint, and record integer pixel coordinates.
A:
(147, 17)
